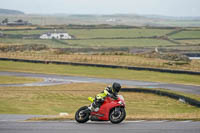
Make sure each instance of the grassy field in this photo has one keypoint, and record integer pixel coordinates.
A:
(133, 37)
(130, 40)
(49, 43)
(64, 98)
(99, 33)
(120, 43)
(187, 34)
(191, 41)
(26, 32)
(94, 33)
(99, 72)
(114, 33)
(89, 43)
(179, 23)
(17, 80)
(16, 27)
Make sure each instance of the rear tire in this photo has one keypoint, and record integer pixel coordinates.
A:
(85, 116)
(117, 119)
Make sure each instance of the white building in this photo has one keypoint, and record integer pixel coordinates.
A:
(55, 36)
(111, 20)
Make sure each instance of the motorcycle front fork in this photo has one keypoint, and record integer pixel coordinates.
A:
(93, 108)
(117, 111)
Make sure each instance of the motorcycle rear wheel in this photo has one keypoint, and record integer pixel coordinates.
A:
(119, 118)
(81, 116)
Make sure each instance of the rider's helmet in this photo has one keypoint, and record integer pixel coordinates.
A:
(116, 87)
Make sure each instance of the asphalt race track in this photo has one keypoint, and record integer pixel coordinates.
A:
(16, 124)
(50, 79)
(101, 127)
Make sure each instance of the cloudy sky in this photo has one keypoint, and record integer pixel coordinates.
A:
(158, 7)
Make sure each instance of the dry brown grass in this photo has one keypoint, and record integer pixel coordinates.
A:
(68, 98)
(186, 116)
(104, 59)
(16, 27)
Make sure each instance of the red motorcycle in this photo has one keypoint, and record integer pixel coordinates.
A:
(111, 110)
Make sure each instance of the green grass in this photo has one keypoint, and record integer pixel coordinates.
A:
(101, 33)
(119, 43)
(17, 80)
(189, 95)
(89, 43)
(112, 33)
(49, 43)
(52, 100)
(27, 32)
(99, 72)
(179, 23)
(186, 34)
(98, 33)
(191, 41)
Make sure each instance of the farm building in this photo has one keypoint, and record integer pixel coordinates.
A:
(55, 36)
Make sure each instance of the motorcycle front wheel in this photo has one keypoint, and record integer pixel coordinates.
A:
(117, 117)
(82, 115)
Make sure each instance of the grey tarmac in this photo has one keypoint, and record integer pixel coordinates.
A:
(101, 127)
(51, 79)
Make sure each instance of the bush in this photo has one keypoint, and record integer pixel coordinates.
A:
(118, 51)
(21, 48)
(174, 57)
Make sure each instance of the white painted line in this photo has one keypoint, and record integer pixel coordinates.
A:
(158, 121)
(48, 121)
(62, 80)
(78, 81)
(134, 121)
(186, 121)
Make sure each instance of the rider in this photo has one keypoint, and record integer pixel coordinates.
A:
(110, 91)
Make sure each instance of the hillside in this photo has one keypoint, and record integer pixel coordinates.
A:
(92, 19)
(10, 12)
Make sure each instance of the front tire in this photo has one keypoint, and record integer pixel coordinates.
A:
(81, 116)
(121, 115)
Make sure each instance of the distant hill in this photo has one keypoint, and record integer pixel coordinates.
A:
(11, 12)
(172, 18)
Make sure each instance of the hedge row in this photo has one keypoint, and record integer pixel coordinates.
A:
(21, 48)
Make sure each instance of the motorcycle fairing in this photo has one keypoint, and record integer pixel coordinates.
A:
(105, 109)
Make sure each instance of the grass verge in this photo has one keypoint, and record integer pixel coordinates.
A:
(17, 80)
(99, 72)
(68, 98)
